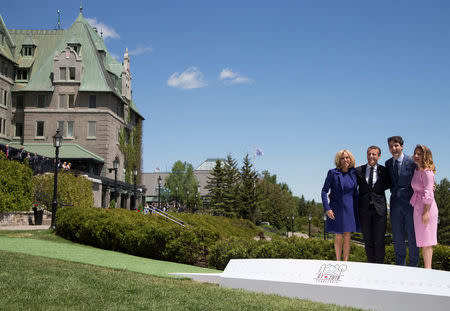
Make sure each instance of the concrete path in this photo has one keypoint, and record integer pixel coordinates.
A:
(18, 228)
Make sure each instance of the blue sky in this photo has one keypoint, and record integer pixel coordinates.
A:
(298, 79)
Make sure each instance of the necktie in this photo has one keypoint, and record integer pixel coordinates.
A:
(371, 178)
(396, 164)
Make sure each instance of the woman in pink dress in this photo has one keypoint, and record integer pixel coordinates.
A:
(425, 208)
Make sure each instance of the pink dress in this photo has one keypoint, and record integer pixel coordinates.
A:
(423, 186)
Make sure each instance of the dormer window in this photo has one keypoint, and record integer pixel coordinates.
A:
(27, 50)
(67, 66)
(76, 47)
(22, 74)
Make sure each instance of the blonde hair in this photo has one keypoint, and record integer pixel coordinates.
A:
(427, 160)
(337, 158)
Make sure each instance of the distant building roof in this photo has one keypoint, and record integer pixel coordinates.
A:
(209, 164)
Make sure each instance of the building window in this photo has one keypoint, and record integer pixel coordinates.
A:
(72, 73)
(2, 127)
(92, 129)
(5, 69)
(41, 101)
(2, 97)
(92, 101)
(61, 128)
(76, 47)
(71, 101)
(19, 130)
(19, 102)
(22, 74)
(62, 73)
(70, 129)
(40, 128)
(62, 101)
(27, 50)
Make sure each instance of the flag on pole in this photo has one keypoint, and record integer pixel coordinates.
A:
(258, 152)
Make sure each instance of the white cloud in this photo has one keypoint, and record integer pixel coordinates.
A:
(108, 32)
(191, 78)
(228, 76)
(140, 50)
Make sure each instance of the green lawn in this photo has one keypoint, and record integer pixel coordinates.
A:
(46, 244)
(38, 283)
(41, 271)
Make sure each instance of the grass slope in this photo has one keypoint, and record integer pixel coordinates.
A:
(46, 244)
(36, 283)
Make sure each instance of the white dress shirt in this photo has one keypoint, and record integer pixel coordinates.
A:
(375, 175)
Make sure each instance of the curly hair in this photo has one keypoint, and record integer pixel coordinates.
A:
(427, 160)
(338, 156)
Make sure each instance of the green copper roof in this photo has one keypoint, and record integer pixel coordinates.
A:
(100, 71)
(67, 150)
(29, 41)
(25, 62)
(6, 49)
(46, 42)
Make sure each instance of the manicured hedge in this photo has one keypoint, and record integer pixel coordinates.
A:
(15, 186)
(299, 248)
(205, 242)
(134, 233)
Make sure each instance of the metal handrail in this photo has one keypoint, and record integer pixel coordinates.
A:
(169, 217)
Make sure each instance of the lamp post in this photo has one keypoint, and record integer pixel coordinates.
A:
(176, 196)
(159, 192)
(57, 142)
(115, 168)
(187, 200)
(324, 221)
(135, 172)
(292, 224)
(309, 225)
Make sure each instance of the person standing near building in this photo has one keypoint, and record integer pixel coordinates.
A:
(401, 169)
(373, 181)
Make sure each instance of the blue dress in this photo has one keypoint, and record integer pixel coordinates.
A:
(344, 201)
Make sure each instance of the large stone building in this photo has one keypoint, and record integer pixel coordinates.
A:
(67, 80)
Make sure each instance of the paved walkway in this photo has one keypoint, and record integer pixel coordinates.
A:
(24, 227)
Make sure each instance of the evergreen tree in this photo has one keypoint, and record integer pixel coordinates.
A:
(248, 199)
(230, 187)
(442, 197)
(216, 189)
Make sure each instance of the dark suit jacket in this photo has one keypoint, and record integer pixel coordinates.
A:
(401, 191)
(376, 194)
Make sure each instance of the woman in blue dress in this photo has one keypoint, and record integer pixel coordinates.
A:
(342, 210)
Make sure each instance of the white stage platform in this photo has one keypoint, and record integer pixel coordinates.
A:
(360, 285)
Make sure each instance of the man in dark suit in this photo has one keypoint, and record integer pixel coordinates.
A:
(373, 180)
(401, 170)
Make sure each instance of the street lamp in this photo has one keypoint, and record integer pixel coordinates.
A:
(115, 168)
(324, 221)
(187, 200)
(176, 196)
(135, 172)
(57, 142)
(159, 192)
(292, 224)
(309, 225)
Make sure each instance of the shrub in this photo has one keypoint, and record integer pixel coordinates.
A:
(298, 248)
(134, 233)
(73, 190)
(16, 190)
